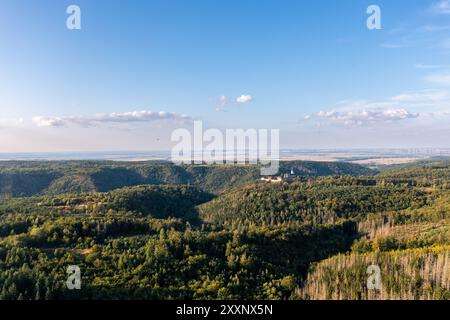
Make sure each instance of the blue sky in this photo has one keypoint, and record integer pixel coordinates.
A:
(310, 68)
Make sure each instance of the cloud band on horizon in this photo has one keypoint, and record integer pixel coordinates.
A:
(363, 116)
(115, 117)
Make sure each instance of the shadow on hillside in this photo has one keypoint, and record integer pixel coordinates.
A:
(293, 253)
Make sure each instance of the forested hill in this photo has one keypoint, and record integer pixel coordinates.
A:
(313, 238)
(21, 178)
(421, 172)
(322, 200)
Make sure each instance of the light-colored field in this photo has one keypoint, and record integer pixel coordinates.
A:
(311, 158)
(385, 161)
(375, 160)
(355, 158)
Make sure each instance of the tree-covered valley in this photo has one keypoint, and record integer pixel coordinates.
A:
(154, 230)
(29, 178)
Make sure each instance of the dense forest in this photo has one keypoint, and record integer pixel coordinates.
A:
(28, 178)
(158, 231)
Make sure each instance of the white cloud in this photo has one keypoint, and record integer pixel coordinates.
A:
(221, 103)
(121, 117)
(441, 7)
(423, 97)
(391, 45)
(407, 105)
(48, 122)
(423, 104)
(430, 66)
(434, 28)
(245, 98)
(365, 116)
(439, 78)
(351, 105)
(429, 36)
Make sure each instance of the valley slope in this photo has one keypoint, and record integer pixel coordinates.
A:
(312, 238)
